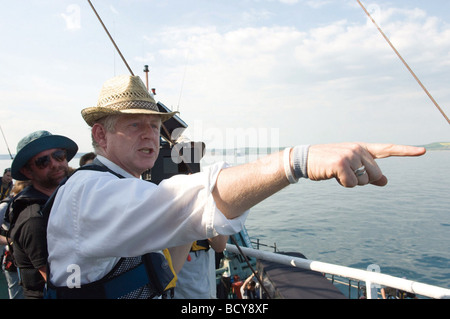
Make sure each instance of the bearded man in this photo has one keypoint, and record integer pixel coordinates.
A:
(42, 158)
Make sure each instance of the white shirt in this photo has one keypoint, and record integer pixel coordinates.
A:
(97, 218)
(194, 279)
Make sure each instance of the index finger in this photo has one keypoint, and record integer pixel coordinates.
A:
(386, 150)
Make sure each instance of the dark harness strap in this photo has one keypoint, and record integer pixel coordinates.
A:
(96, 165)
(135, 277)
(107, 288)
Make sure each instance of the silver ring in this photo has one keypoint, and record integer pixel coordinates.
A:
(360, 171)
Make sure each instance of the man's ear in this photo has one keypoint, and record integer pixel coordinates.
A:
(99, 134)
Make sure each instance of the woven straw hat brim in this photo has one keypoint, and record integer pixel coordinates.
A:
(92, 114)
(123, 94)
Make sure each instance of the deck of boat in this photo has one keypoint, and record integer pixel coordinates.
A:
(295, 283)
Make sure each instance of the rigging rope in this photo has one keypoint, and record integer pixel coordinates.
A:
(129, 69)
(7, 146)
(404, 62)
(110, 37)
(251, 268)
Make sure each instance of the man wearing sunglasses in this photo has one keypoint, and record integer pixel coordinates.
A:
(43, 159)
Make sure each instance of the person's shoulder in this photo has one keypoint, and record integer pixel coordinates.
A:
(32, 210)
(89, 175)
(88, 181)
(28, 217)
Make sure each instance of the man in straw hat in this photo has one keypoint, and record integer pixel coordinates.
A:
(42, 158)
(97, 218)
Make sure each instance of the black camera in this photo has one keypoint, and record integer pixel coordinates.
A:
(176, 156)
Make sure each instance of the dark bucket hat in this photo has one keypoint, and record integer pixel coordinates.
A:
(35, 143)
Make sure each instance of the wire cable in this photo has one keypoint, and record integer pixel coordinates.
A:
(404, 62)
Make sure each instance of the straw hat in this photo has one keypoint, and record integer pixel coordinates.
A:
(37, 142)
(123, 94)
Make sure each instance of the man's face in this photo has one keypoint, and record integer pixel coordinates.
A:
(7, 178)
(134, 145)
(47, 168)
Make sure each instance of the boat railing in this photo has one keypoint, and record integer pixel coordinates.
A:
(353, 286)
(372, 279)
(259, 244)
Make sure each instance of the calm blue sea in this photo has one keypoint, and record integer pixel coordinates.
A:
(403, 227)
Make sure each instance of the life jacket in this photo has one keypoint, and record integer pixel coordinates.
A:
(25, 205)
(200, 245)
(27, 197)
(141, 277)
(5, 211)
(4, 191)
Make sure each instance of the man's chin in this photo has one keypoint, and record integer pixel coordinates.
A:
(146, 165)
(57, 177)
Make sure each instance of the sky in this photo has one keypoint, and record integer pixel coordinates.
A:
(241, 73)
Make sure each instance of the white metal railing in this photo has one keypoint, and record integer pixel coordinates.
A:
(368, 276)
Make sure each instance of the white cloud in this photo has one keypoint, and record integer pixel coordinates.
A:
(73, 17)
(339, 68)
(289, 1)
(316, 4)
(305, 81)
(113, 9)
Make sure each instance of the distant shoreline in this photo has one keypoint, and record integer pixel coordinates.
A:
(437, 146)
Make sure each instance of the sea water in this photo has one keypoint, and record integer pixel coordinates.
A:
(404, 227)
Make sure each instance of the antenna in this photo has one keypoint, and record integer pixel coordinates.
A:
(112, 40)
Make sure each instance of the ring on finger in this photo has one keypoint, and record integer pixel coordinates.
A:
(360, 171)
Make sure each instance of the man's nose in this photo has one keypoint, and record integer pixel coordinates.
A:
(150, 132)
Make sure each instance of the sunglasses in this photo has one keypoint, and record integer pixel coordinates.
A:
(44, 161)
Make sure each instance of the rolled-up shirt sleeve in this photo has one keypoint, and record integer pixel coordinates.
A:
(105, 216)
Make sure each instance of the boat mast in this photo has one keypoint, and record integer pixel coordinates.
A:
(146, 75)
